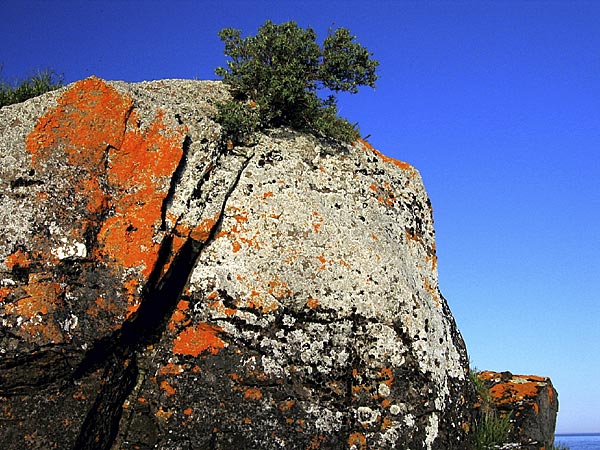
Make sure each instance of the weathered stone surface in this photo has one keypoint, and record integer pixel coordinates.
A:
(532, 403)
(160, 292)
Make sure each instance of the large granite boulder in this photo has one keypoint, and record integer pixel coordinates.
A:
(159, 290)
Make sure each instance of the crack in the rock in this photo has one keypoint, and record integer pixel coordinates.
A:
(117, 352)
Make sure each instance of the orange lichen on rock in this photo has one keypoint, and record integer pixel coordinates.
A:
(253, 394)
(312, 303)
(512, 392)
(197, 339)
(357, 441)
(402, 165)
(171, 369)
(202, 231)
(140, 170)
(89, 117)
(42, 297)
(515, 388)
(179, 314)
(165, 386)
(19, 259)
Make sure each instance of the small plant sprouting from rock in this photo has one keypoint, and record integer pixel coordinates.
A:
(492, 429)
(274, 78)
(39, 83)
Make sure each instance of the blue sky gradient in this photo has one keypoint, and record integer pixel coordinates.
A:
(496, 103)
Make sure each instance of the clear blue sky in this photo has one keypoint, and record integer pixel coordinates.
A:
(496, 103)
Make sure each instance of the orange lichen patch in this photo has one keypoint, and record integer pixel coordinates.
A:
(88, 119)
(188, 411)
(312, 303)
(514, 391)
(194, 340)
(42, 296)
(267, 194)
(133, 299)
(140, 171)
(179, 314)
(386, 376)
(278, 289)
(202, 231)
(286, 405)
(220, 307)
(315, 442)
(241, 218)
(163, 415)
(432, 260)
(402, 165)
(253, 394)
(165, 386)
(357, 441)
(4, 293)
(89, 116)
(236, 246)
(432, 291)
(385, 403)
(19, 258)
(171, 369)
(322, 260)
(386, 423)
(344, 263)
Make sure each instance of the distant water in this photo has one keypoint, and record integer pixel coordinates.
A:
(579, 441)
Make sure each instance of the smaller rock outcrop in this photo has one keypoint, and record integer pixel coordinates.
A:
(532, 403)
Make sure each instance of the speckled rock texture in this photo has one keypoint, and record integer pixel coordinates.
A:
(532, 403)
(158, 290)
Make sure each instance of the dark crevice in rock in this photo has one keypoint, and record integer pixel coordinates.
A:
(117, 353)
(100, 427)
(175, 179)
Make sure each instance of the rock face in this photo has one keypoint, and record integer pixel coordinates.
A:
(532, 403)
(158, 291)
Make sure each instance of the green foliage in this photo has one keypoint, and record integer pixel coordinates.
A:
(491, 429)
(37, 84)
(239, 120)
(282, 67)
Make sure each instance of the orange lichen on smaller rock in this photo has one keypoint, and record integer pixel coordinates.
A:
(188, 411)
(512, 392)
(196, 339)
